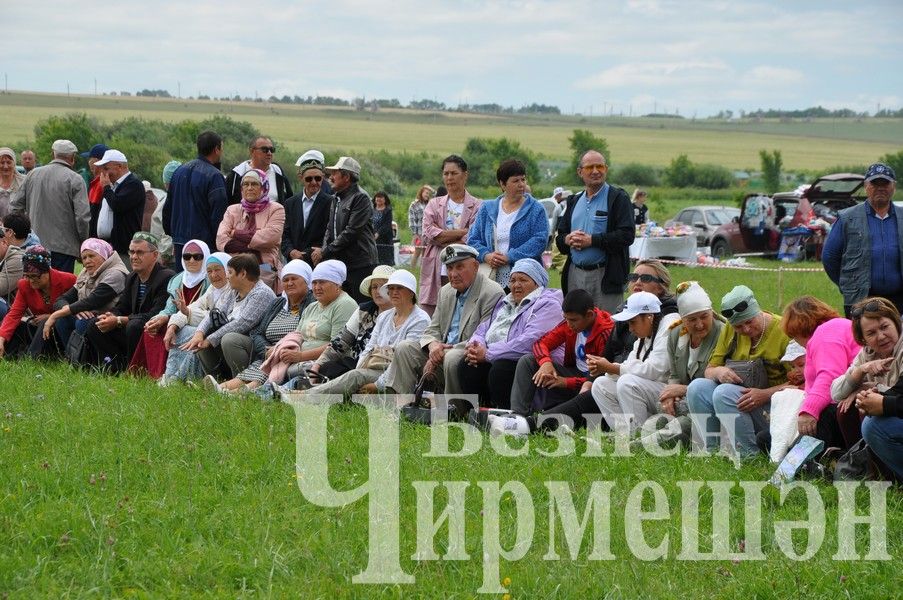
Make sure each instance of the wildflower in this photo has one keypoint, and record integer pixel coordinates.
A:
(506, 581)
(92, 480)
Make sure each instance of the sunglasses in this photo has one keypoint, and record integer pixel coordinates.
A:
(193, 256)
(316, 178)
(871, 306)
(739, 308)
(645, 278)
(267, 149)
(590, 168)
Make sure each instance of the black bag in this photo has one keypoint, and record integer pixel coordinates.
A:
(77, 348)
(217, 319)
(856, 464)
(752, 372)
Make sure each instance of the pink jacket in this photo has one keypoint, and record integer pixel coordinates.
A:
(275, 368)
(433, 224)
(829, 353)
(268, 237)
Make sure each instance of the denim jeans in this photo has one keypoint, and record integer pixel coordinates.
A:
(66, 325)
(713, 405)
(4, 308)
(884, 435)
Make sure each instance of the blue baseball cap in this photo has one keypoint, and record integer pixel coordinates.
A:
(96, 151)
(880, 171)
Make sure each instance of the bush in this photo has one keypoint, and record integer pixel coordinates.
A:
(79, 128)
(682, 172)
(483, 156)
(894, 161)
(635, 174)
(582, 141)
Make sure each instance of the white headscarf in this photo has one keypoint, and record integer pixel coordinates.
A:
(218, 258)
(192, 279)
(330, 270)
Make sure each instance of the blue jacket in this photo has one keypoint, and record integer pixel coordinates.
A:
(195, 202)
(529, 232)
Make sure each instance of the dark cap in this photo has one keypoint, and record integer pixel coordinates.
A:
(96, 151)
(880, 171)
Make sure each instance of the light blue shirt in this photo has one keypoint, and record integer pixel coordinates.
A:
(454, 329)
(586, 218)
(306, 205)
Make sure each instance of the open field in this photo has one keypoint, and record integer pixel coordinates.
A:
(805, 145)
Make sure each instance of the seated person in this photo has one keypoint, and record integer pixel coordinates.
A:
(344, 349)
(114, 336)
(516, 323)
(15, 230)
(96, 290)
(404, 321)
(883, 425)
(220, 336)
(722, 399)
(37, 291)
(583, 332)
(464, 302)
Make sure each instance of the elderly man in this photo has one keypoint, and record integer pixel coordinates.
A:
(464, 302)
(307, 213)
(196, 200)
(29, 160)
(122, 208)
(863, 255)
(595, 234)
(349, 231)
(115, 334)
(10, 179)
(55, 199)
(260, 150)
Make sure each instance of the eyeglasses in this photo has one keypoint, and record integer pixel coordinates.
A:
(598, 167)
(738, 308)
(871, 306)
(316, 178)
(193, 256)
(645, 278)
(267, 149)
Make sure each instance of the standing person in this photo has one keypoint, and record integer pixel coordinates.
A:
(446, 220)
(415, 221)
(10, 179)
(29, 161)
(196, 201)
(261, 151)
(156, 226)
(55, 199)
(640, 210)
(95, 188)
(307, 213)
(863, 255)
(349, 231)
(382, 226)
(122, 209)
(595, 234)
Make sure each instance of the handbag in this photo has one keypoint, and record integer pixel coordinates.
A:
(77, 348)
(485, 269)
(856, 464)
(752, 372)
(217, 319)
(379, 359)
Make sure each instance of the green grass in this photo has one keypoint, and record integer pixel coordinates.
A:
(804, 145)
(116, 488)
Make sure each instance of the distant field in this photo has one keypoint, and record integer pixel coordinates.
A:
(805, 145)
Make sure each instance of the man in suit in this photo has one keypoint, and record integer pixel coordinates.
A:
(115, 334)
(122, 209)
(307, 213)
(464, 302)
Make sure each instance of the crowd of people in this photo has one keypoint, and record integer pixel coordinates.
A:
(270, 290)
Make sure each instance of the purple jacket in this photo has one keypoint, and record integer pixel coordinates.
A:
(529, 325)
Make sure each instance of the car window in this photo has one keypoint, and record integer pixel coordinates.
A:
(694, 217)
(718, 217)
(683, 216)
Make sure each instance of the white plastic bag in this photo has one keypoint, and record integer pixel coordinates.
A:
(785, 407)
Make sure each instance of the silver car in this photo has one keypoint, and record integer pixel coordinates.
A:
(705, 220)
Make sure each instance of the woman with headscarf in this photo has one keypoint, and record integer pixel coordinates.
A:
(721, 398)
(186, 287)
(38, 291)
(182, 365)
(255, 226)
(96, 290)
(10, 179)
(279, 321)
(518, 320)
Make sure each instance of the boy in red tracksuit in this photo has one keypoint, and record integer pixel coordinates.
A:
(585, 330)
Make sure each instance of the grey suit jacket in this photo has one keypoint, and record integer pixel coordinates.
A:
(679, 354)
(484, 294)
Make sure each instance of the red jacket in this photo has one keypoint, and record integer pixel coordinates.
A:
(564, 335)
(28, 298)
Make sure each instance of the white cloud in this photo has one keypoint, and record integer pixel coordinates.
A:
(654, 75)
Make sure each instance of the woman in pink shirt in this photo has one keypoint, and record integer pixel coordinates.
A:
(830, 349)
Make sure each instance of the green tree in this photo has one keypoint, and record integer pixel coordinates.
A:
(771, 169)
(680, 173)
(79, 128)
(894, 161)
(582, 141)
(483, 156)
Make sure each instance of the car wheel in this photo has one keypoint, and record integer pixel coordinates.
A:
(720, 249)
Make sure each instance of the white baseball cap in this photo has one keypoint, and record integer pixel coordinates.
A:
(112, 156)
(639, 303)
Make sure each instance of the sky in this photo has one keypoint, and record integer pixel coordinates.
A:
(590, 57)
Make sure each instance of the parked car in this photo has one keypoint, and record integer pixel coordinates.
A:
(704, 220)
(762, 218)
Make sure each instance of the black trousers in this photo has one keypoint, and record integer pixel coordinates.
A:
(28, 340)
(491, 381)
(574, 409)
(353, 280)
(114, 349)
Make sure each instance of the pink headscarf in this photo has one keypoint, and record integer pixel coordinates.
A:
(97, 246)
(255, 207)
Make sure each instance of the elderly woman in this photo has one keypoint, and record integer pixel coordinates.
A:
(518, 320)
(10, 179)
(651, 276)
(280, 320)
(415, 220)
(722, 398)
(877, 367)
(446, 220)
(344, 350)
(830, 348)
(95, 292)
(255, 225)
(320, 322)
(186, 287)
(403, 321)
(37, 292)
(382, 226)
(182, 365)
(511, 227)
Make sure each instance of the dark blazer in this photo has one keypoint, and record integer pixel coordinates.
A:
(154, 298)
(127, 204)
(616, 240)
(302, 236)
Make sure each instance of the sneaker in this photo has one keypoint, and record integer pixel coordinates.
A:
(164, 380)
(211, 384)
(515, 425)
